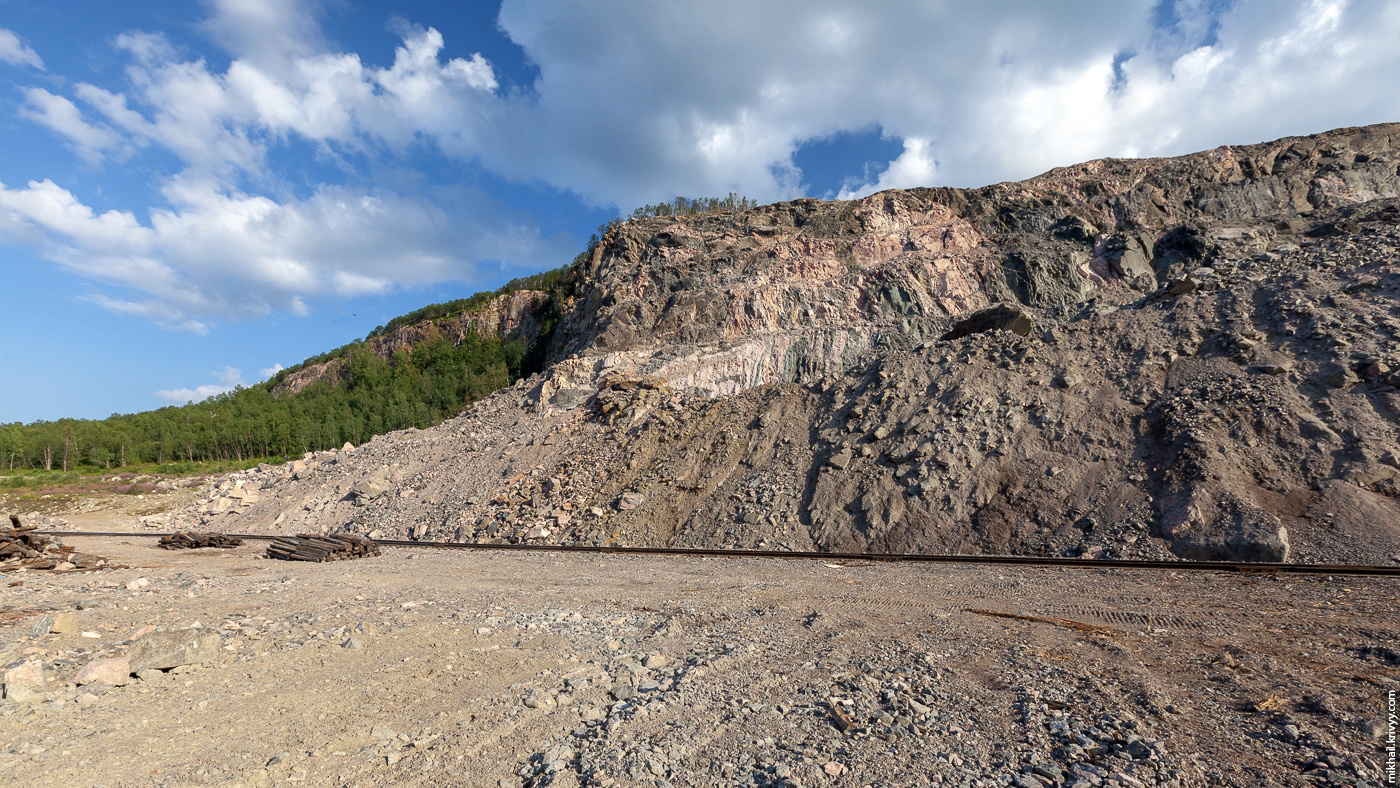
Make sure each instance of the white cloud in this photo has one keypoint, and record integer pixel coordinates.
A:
(16, 52)
(272, 370)
(628, 108)
(231, 254)
(63, 116)
(229, 379)
(914, 167)
(636, 102)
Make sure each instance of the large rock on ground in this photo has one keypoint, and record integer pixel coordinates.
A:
(165, 650)
(998, 318)
(28, 674)
(113, 672)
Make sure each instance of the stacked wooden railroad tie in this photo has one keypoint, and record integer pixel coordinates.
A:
(21, 547)
(313, 547)
(190, 540)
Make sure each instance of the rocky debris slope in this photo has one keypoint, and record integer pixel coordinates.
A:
(1218, 383)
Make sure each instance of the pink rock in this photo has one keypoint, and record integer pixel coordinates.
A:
(834, 769)
(142, 632)
(29, 673)
(114, 672)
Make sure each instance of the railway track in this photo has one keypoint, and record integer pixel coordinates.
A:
(1005, 560)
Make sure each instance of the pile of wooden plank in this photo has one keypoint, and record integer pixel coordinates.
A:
(190, 540)
(22, 547)
(21, 541)
(313, 547)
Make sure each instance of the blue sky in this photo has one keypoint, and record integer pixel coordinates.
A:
(194, 193)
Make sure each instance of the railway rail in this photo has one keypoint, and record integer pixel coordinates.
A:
(922, 558)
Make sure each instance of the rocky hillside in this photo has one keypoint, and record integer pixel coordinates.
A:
(516, 315)
(1187, 356)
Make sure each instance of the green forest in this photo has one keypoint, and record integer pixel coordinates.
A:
(375, 395)
(371, 395)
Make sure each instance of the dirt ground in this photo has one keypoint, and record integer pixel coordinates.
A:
(426, 667)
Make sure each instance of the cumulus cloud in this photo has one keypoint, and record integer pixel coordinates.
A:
(272, 370)
(228, 377)
(232, 254)
(16, 52)
(637, 99)
(635, 102)
(914, 167)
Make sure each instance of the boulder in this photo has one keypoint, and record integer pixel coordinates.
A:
(997, 318)
(113, 672)
(165, 650)
(1128, 256)
(369, 489)
(28, 674)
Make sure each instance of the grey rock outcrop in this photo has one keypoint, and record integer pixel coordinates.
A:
(165, 650)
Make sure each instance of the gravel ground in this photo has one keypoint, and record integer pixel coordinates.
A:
(425, 667)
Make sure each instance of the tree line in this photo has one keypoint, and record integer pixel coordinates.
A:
(373, 395)
(684, 206)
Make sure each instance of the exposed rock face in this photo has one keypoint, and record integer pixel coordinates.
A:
(797, 291)
(1200, 362)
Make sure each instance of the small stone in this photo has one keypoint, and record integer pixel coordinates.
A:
(149, 674)
(629, 501)
(353, 644)
(841, 460)
(622, 692)
(539, 699)
(86, 699)
(654, 661)
(42, 626)
(1339, 378)
(137, 584)
(834, 769)
(21, 694)
(1179, 287)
